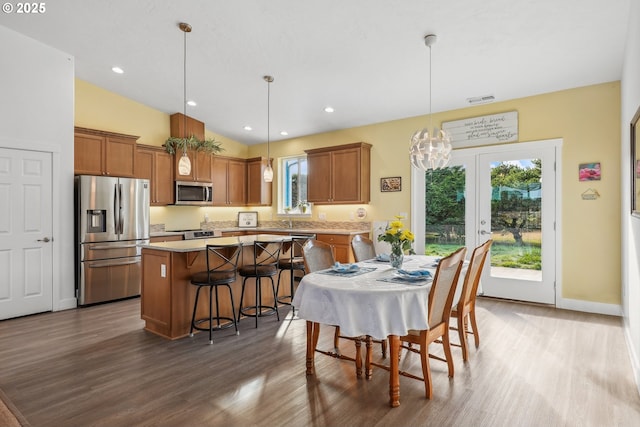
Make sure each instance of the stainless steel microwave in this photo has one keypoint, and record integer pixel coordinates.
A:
(194, 193)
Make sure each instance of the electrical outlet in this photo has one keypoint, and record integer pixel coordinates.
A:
(322, 216)
(163, 270)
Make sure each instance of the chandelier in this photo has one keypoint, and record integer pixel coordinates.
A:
(268, 172)
(430, 148)
(184, 165)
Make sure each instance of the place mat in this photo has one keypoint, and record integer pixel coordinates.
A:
(359, 271)
(396, 279)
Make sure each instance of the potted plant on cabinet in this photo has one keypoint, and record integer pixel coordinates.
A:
(209, 145)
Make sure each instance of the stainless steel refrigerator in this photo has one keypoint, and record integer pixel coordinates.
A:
(112, 221)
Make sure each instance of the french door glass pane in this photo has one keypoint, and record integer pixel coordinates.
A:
(516, 226)
(444, 210)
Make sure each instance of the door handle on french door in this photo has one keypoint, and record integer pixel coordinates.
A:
(484, 232)
(46, 240)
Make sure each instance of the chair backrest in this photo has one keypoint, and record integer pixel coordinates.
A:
(266, 252)
(222, 259)
(444, 287)
(363, 248)
(293, 248)
(472, 276)
(317, 256)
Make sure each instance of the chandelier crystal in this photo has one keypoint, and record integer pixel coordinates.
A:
(430, 148)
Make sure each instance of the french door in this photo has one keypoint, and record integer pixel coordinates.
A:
(506, 193)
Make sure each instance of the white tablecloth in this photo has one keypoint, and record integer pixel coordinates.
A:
(365, 305)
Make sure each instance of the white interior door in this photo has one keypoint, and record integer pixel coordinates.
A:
(26, 268)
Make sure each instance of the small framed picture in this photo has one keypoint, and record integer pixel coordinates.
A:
(392, 183)
(589, 172)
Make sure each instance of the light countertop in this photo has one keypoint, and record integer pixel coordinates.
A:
(197, 245)
(258, 230)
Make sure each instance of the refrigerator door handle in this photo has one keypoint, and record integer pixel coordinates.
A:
(121, 220)
(116, 223)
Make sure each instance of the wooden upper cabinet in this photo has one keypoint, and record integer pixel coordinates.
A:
(156, 165)
(104, 153)
(258, 191)
(228, 176)
(183, 127)
(236, 182)
(339, 174)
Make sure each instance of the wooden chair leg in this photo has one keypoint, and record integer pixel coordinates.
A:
(368, 371)
(384, 348)
(474, 325)
(336, 340)
(426, 370)
(462, 334)
(447, 352)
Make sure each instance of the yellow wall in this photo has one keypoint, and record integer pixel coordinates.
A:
(587, 119)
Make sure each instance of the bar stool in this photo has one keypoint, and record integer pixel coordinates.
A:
(292, 261)
(222, 267)
(266, 255)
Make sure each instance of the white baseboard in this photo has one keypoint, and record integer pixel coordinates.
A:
(589, 306)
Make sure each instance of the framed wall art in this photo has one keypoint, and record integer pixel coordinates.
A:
(589, 172)
(392, 183)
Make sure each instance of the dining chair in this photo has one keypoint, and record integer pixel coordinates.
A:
(222, 268)
(266, 255)
(440, 300)
(464, 310)
(364, 249)
(319, 256)
(291, 260)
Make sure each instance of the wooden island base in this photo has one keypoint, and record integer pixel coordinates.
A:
(167, 295)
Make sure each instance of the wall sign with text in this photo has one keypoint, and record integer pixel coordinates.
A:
(483, 130)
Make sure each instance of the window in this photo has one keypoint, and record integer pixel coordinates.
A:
(293, 186)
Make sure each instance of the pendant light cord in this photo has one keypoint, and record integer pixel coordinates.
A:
(184, 97)
(268, 121)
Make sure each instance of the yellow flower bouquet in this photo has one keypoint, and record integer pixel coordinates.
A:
(400, 239)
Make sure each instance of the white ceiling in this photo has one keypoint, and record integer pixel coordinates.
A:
(365, 58)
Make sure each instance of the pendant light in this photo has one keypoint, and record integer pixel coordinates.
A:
(184, 165)
(268, 172)
(430, 148)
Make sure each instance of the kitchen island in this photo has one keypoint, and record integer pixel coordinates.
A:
(167, 295)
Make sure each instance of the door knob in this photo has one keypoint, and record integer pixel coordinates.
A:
(484, 232)
(46, 240)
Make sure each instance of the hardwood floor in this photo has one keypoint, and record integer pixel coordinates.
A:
(96, 366)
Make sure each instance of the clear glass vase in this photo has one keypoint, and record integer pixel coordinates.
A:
(396, 258)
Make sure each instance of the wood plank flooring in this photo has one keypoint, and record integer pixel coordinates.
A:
(96, 366)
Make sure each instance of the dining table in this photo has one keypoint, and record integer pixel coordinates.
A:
(369, 298)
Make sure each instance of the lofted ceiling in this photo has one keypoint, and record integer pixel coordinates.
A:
(365, 58)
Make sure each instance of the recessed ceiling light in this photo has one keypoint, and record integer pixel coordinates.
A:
(247, 128)
(284, 133)
(328, 109)
(191, 103)
(117, 70)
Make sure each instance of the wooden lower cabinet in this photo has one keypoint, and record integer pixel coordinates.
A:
(341, 244)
